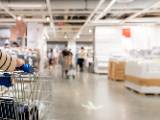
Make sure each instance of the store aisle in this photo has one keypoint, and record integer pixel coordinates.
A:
(93, 97)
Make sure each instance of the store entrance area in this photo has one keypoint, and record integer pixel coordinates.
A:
(93, 97)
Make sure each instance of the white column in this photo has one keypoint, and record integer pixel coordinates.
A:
(72, 46)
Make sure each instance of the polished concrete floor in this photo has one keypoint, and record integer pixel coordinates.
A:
(93, 97)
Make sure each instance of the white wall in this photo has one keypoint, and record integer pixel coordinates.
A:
(34, 35)
(143, 37)
(5, 33)
(109, 40)
(72, 46)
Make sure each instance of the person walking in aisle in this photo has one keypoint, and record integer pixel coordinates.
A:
(50, 58)
(81, 58)
(64, 61)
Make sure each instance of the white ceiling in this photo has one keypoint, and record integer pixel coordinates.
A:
(68, 16)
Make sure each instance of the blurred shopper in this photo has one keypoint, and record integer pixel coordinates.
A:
(62, 60)
(15, 45)
(90, 62)
(56, 55)
(66, 61)
(6, 44)
(81, 58)
(50, 58)
(71, 71)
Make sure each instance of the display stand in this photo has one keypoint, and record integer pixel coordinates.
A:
(143, 76)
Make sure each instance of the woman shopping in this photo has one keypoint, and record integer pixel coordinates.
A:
(81, 58)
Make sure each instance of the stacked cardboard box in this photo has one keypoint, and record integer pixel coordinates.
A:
(116, 70)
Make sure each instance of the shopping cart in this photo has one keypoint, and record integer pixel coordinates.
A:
(18, 91)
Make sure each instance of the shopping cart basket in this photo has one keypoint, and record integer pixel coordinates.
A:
(17, 95)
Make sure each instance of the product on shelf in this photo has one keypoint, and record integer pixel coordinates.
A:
(30, 56)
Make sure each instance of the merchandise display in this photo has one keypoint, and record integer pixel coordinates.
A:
(143, 76)
(139, 68)
(30, 56)
(142, 71)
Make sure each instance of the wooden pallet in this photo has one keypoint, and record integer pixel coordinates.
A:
(145, 94)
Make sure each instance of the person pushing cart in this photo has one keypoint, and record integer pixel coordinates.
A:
(67, 63)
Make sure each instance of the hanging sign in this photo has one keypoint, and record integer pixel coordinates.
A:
(126, 32)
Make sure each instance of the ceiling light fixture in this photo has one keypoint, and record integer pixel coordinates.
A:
(100, 3)
(19, 18)
(90, 31)
(48, 19)
(65, 36)
(77, 36)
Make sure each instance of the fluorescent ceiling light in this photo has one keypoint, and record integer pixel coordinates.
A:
(100, 3)
(124, 1)
(24, 5)
(106, 10)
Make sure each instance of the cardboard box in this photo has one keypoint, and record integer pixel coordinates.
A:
(116, 70)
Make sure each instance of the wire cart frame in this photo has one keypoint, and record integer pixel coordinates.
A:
(17, 96)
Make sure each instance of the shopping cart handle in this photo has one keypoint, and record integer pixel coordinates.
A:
(27, 68)
(5, 80)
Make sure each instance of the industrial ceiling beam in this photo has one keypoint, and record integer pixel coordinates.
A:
(106, 10)
(7, 10)
(54, 13)
(155, 5)
(50, 13)
(25, 5)
(117, 21)
(90, 17)
(43, 20)
(77, 13)
(132, 10)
